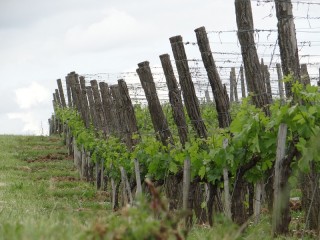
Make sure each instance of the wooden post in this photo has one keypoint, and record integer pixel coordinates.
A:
(186, 189)
(207, 96)
(129, 116)
(125, 199)
(114, 188)
(280, 82)
(281, 211)
(268, 82)
(83, 165)
(305, 78)
(249, 54)
(102, 176)
(84, 102)
(58, 100)
(263, 72)
(220, 95)
(54, 102)
(227, 198)
(73, 80)
(82, 82)
(61, 94)
(131, 129)
(257, 201)
(107, 107)
(235, 84)
(287, 41)
(92, 108)
(138, 177)
(69, 94)
(243, 88)
(119, 112)
(231, 87)
(175, 98)
(98, 174)
(98, 106)
(180, 120)
(187, 87)
(193, 110)
(158, 118)
(126, 185)
(50, 126)
(80, 105)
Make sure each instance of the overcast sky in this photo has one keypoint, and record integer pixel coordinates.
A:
(43, 40)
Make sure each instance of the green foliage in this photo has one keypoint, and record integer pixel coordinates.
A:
(252, 135)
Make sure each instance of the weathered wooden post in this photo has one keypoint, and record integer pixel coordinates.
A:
(257, 201)
(126, 130)
(84, 102)
(50, 126)
(73, 80)
(107, 103)
(231, 87)
(92, 108)
(235, 84)
(243, 88)
(263, 71)
(187, 87)
(61, 94)
(158, 118)
(219, 92)
(281, 212)
(287, 42)
(58, 100)
(180, 120)
(175, 98)
(98, 106)
(69, 93)
(249, 54)
(207, 96)
(227, 197)
(305, 78)
(256, 84)
(221, 101)
(100, 118)
(193, 110)
(131, 129)
(87, 165)
(268, 82)
(280, 81)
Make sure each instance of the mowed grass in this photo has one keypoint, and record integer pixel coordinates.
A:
(41, 195)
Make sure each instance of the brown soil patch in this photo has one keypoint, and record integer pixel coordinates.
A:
(64, 179)
(54, 139)
(48, 157)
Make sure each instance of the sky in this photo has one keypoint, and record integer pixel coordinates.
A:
(43, 40)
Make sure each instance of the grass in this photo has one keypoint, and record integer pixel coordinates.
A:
(42, 197)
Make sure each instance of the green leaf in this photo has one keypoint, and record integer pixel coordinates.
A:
(202, 172)
(173, 167)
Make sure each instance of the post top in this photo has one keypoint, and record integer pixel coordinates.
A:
(200, 29)
(177, 38)
(143, 64)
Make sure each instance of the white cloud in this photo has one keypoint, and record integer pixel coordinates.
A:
(30, 123)
(32, 95)
(116, 28)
